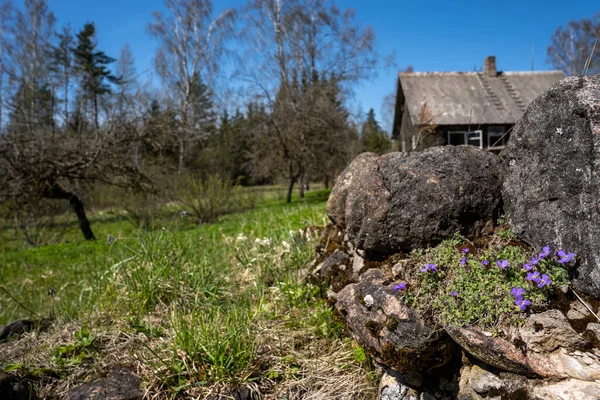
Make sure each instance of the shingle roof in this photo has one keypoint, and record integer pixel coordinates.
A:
(461, 98)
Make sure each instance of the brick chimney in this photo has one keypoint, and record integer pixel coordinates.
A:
(489, 67)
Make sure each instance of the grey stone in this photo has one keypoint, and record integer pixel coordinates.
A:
(547, 331)
(399, 202)
(119, 384)
(482, 381)
(552, 188)
(568, 389)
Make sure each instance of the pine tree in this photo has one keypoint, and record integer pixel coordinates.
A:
(373, 138)
(92, 66)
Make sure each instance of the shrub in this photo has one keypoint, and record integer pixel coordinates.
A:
(212, 197)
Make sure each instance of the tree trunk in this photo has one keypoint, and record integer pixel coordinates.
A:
(288, 198)
(301, 187)
(55, 191)
(180, 162)
(96, 112)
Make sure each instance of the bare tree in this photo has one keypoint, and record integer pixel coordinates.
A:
(312, 45)
(43, 166)
(575, 48)
(191, 44)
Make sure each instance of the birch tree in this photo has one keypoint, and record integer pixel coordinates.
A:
(575, 49)
(191, 45)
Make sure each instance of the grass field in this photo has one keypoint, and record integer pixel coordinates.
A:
(192, 309)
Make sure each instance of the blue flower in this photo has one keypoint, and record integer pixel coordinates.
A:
(528, 267)
(533, 276)
(522, 303)
(545, 252)
(454, 294)
(400, 286)
(502, 264)
(465, 250)
(564, 257)
(429, 267)
(463, 261)
(544, 281)
(517, 292)
(534, 260)
(485, 262)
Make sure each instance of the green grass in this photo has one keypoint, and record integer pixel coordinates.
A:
(214, 304)
(75, 267)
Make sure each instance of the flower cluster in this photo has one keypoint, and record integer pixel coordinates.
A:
(429, 267)
(519, 301)
(400, 286)
(533, 275)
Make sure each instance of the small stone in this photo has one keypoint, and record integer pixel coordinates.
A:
(482, 381)
(593, 333)
(15, 329)
(579, 315)
(15, 388)
(119, 384)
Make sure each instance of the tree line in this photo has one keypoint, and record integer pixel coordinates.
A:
(72, 116)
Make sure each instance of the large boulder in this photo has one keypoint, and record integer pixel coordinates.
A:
(552, 188)
(399, 201)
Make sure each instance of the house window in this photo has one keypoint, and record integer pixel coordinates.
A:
(474, 138)
(496, 139)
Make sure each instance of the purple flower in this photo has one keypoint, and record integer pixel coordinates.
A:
(429, 267)
(544, 281)
(454, 294)
(564, 257)
(463, 261)
(485, 262)
(533, 276)
(522, 303)
(528, 267)
(502, 264)
(465, 250)
(517, 292)
(534, 260)
(545, 252)
(400, 286)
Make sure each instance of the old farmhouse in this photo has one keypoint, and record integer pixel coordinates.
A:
(477, 108)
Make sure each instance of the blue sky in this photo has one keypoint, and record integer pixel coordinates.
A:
(429, 35)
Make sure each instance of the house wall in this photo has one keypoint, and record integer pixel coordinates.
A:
(409, 135)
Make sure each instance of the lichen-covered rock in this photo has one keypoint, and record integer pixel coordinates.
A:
(335, 270)
(399, 202)
(391, 331)
(552, 188)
